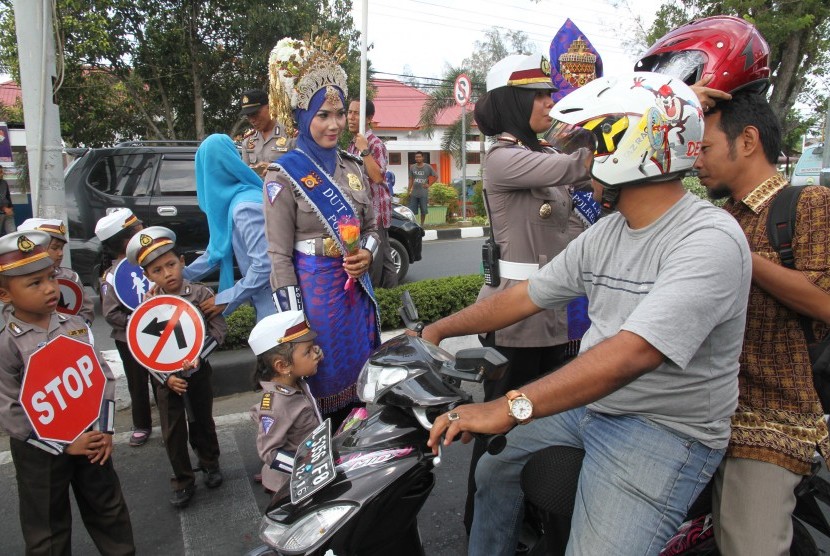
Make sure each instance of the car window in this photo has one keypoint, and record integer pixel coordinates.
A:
(129, 175)
(177, 177)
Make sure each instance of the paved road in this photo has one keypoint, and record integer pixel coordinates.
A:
(450, 257)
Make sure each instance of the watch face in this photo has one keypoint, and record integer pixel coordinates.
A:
(521, 408)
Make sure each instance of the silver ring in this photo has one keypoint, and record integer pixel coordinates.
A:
(453, 416)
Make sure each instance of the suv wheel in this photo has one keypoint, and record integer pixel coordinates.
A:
(400, 257)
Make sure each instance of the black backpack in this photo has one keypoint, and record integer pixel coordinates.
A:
(780, 226)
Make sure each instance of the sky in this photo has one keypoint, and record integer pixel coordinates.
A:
(428, 34)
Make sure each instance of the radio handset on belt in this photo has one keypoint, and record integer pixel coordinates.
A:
(490, 252)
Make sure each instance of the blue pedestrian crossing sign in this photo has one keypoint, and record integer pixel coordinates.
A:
(130, 284)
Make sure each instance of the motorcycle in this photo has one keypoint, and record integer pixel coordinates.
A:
(550, 504)
(360, 490)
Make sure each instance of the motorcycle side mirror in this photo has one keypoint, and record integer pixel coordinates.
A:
(409, 313)
(478, 364)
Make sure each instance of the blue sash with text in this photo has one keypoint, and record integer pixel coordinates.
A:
(330, 204)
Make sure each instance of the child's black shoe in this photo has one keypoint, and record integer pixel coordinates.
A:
(181, 497)
(213, 478)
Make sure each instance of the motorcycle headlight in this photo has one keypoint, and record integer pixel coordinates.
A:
(405, 212)
(375, 380)
(307, 533)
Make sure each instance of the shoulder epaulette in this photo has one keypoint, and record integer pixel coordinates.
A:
(274, 166)
(248, 133)
(350, 156)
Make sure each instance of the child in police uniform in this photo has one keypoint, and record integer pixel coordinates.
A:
(154, 249)
(46, 469)
(57, 231)
(287, 413)
(115, 230)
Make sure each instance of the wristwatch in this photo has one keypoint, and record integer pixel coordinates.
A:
(519, 407)
(365, 152)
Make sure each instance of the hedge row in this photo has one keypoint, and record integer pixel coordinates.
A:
(435, 298)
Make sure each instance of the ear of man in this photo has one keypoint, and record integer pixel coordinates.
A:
(749, 143)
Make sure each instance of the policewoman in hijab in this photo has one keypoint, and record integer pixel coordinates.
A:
(230, 194)
(528, 189)
(319, 220)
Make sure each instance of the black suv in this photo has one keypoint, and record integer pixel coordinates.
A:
(157, 182)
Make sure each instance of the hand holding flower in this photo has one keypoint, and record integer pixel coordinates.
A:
(357, 261)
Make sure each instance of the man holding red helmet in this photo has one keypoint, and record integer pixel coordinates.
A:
(779, 422)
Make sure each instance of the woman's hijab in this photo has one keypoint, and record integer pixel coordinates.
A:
(507, 110)
(222, 182)
(326, 158)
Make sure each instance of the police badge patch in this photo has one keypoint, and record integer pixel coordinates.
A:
(355, 182)
(266, 422)
(273, 188)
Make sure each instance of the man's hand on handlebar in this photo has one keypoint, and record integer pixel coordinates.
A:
(430, 335)
(486, 418)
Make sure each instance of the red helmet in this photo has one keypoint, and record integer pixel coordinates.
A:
(727, 48)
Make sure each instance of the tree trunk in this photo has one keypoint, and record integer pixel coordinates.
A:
(198, 99)
(786, 81)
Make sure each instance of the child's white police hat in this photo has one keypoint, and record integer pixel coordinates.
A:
(149, 244)
(526, 71)
(114, 222)
(51, 226)
(281, 328)
(24, 253)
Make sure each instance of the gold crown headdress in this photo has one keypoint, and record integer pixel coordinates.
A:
(297, 69)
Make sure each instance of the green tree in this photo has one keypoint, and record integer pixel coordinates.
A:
(486, 52)
(170, 69)
(798, 33)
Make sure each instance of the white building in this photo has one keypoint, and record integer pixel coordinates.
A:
(397, 112)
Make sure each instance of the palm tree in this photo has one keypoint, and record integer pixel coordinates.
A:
(442, 98)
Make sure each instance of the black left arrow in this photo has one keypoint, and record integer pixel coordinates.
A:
(157, 327)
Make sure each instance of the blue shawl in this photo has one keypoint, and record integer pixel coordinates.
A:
(222, 182)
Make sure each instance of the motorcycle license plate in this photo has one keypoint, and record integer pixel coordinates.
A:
(313, 464)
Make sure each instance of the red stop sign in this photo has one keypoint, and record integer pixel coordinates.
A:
(63, 388)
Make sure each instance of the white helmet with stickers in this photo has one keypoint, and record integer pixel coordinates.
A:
(642, 127)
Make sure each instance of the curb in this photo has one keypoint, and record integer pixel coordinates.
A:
(456, 233)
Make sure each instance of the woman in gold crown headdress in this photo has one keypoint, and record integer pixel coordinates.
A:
(308, 192)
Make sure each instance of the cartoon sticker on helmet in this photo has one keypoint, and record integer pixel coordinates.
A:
(669, 116)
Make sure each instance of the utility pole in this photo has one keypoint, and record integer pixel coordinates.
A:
(824, 177)
(36, 47)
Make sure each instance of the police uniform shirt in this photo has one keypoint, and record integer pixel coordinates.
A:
(115, 313)
(87, 311)
(18, 341)
(290, 218)
(256, 148)
(533, 220)
(285, 416)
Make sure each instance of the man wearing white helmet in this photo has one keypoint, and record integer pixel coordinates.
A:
(650, 396)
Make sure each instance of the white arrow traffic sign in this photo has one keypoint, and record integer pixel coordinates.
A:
(164, 331)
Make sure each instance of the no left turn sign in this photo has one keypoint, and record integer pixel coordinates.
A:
(164, 331)
(72, 297)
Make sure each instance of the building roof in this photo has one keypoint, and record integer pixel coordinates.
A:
(9, 93)
(398, 106)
